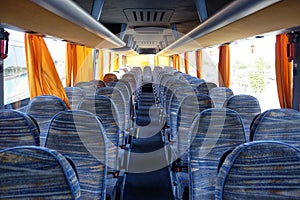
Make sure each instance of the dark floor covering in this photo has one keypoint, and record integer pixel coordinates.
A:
(148, 177)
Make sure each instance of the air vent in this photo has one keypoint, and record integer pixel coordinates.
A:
(148, 15)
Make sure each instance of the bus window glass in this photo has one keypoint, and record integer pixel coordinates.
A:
(15, 73)
(192, 63)
(253, 70)
(210, 59)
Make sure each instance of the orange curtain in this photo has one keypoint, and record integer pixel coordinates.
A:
(283, 72)
(100, 64)
(79, 65)
(84, 64)
(176, 62)
(156, 61)
(71, 64)
(123, 60)
(42, 75)
(116, 62)
(224, 66)
(186, 62)
(109, 61)
(199, 63)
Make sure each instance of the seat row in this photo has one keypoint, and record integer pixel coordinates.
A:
(214, 132)
(77, 135)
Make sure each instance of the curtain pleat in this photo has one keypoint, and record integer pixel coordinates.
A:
(79, 65)
(109, 61)
(224, 66)
(156, 61)
(116, 62)
(101, 64)
(71, 64)
(283, 68)
(84, 64)
(186, 62)
(199, 63)
(176, 62)
(43, 78)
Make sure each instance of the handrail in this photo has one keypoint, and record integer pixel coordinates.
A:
(234, 11)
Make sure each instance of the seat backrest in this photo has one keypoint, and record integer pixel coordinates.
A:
(42, 109)
(132, 81)
(105, 108)
(279, 125)
(36, 173)
(214, 132)
(175, 100)
(75, 95)
(170, 89)
(196, 82)
(219, 95)
(80, 136)
(17, 129)
(205, 87)
(124, 89)
(98, 83)
(182, 119)
(147, 75)
(88, 87)
(247, 106)
(119, 100)
(260, 170)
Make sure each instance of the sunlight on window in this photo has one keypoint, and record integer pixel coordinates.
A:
(15, 73)
(210, 57)
(253, 70)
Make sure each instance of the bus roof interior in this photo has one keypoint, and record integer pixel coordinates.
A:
(160, 27)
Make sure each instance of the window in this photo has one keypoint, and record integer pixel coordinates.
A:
(253, 70)
(15, 73)
(210, 59)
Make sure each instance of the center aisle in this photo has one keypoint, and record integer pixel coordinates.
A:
(148, 176)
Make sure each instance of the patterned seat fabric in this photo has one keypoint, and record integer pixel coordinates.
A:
(214, 132)
(175, 101)
(75, 95)
(206, 87)
(80, 136)
(260, 170)
(247, 106)
(183, 117)
(119, 100)
(219, 95)
(17, 129)
(104, 107)
(278, 125)
(42, 109)
(88, 87)
(36, 173)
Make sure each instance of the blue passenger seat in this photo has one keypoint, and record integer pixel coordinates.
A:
(247, 106)
(75, 95)
(42, 109)
(278, 125)
(105, 108)
(37, 173)
(80, 136)
(219, 95)
(214, 132)
(260, 170)
(17, 129)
